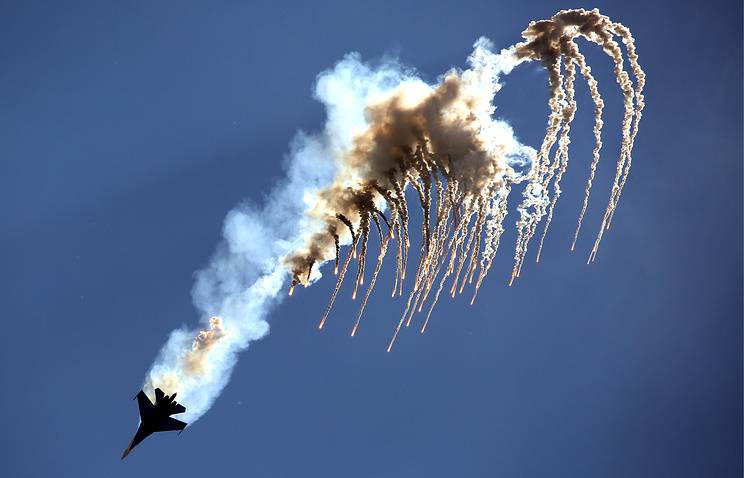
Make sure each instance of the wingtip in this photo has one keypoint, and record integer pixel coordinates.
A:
(128, 450)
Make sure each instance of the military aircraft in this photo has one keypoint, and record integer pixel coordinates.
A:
(156, 418)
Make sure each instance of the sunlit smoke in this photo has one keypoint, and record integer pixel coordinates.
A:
(442, 141)
(392, 140)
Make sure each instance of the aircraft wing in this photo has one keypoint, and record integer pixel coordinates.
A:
(170, 424)
(179, 409)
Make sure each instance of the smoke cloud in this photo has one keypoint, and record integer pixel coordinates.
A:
(392, 140)
(244, 278)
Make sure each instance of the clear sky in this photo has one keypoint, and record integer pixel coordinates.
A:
(128, 130)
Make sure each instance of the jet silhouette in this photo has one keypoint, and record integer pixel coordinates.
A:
(156, 418)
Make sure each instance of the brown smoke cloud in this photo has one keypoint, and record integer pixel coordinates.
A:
(441, 143)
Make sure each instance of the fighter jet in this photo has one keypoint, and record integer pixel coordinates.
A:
(156, 418)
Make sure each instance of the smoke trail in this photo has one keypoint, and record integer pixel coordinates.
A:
(443, 135)
(235, 292)
(242, 283)
(388, 130)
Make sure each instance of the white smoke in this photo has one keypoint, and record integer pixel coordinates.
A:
(245, 277)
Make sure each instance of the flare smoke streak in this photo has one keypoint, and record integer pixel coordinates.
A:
(392, 140)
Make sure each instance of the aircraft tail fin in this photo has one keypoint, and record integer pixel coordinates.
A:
(144, 404)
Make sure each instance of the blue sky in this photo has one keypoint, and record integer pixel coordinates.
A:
(128, 131)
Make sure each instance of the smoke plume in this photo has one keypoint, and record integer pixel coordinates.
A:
(392, 141)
